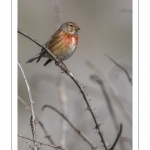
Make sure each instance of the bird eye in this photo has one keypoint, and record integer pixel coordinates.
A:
(70, 25)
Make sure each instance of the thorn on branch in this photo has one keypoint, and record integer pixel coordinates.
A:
(108, 145)
(88, 108)
(60, 147)
(95, 127)
(100, 123)
(96, 132)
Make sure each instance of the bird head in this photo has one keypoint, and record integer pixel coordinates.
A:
(70, 27)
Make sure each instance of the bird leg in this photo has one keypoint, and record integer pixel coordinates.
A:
(65, 69)
(61, 64)
(58, 62)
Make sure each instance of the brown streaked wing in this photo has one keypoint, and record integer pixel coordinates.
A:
(56, 46)
(62, 49)
(54, 40)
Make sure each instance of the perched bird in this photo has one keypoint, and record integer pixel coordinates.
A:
(62, 43)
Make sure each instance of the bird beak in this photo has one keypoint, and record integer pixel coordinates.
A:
(77, 28)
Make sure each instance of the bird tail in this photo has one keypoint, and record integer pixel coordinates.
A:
(33, 58)
(47, 62)
(38, 57)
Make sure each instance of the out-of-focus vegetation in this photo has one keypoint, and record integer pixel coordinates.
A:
(106, 27)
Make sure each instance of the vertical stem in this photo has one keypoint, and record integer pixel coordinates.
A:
(63, 106)
(38, 120)
(32, 120)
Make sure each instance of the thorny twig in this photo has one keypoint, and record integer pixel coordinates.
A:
(32, 120)
(126, 72)
(108, 101)
(68, 73)
(69, 122)
(40, 123)
(46, 133)
(42, 143)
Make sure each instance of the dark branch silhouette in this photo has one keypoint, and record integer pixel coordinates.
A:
(108, 101)
(42, 143)
(40, 123)
(109, 105)
(126, 72)
(71, 124)
(117, 138)
(116, 99)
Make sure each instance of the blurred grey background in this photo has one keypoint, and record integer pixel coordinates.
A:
(106, 27)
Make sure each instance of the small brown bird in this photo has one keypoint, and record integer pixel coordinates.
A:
(62, 43)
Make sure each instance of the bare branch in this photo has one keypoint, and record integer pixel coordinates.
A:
(116, 99)
(126, 72)
(30, 145)
(40, 123)
(108, 102)
(67, 72)
(88, 106)
(117, 138)
(24, 103)
(32, 120)
(69, 122)
(63, 106)
(42, 143)
(46, 133)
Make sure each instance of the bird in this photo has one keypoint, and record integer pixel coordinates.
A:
(62, 43)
